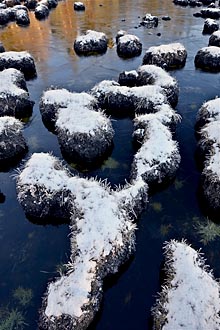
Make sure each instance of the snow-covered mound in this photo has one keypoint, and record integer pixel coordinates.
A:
(41, 11)
(12, 142)
(102, 235)
(214, 39)
(85, 135)
(190, 294)
(170, 56)
(209, 145)
(22, 16)
(210, 13)
(121, 100)
(209, 111)
(90, 43)
(152, 75)
(210, 25)
(149, 21)
(22, 61)
(129, 45)
(79, 5)
(208, 58)
(14, 97)
(158, 157)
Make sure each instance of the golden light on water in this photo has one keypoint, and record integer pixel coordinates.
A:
(66, 24)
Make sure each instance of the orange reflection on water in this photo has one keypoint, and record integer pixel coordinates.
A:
(30, 38)
(102, 15)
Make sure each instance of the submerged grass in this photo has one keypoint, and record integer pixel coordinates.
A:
(12, 320)
(165, 229)
(23, 296)
(156, 206)
(110, 163)
(207, 230)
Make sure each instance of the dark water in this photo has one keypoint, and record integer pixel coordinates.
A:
(30, 254)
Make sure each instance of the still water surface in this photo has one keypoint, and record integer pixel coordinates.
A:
(30, 254)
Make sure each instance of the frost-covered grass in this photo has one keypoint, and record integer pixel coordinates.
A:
(83, 130)
(15, 56)
(128, 38)
(157, 75)
(8, 78)
(164, 49)
(75, 118)
(91, 36)
(140, 95)
(102, 231)
(210, 135)
(164, 113)
(209, 143)
(78, 3)
(209, 21)
(210, 132)
(42, 170)
(190, 295)
(216, 33)
(63, 97)
(214, 51)
(10, 124)
(159, 152)
(212, 166)
(210, 110)
(112, 87)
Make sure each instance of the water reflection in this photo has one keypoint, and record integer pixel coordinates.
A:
(2, 197)
(107, 16)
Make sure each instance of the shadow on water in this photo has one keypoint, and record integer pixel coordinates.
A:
(2, 197)
(109, 282)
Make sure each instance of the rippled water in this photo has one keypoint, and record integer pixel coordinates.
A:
(30, 254)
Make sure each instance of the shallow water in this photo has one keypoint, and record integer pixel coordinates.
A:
(30, 254)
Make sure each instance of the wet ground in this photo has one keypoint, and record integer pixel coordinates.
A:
(32, 254)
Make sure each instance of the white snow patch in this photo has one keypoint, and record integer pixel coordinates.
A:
(212, 50)
(103, 228)
(211, 132)
(164, 113)
(148, 92)
(157, 148)
(101, 231)
(149, 17)
(216, 34)
(40, 170)
(8, 79)
(62, 97)
(213, 109)
(161, 77)
(91, 35)
(213, 163)
(128, 38)
(164, 49)
(210, 10)
(193, 294)
(75, 118)
(15, 56)
(132, 72)
(209, 21)
(10, 123)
